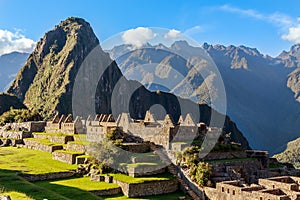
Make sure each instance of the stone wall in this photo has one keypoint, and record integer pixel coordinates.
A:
(148, 188)
(225, 155)
(62, 139)
(50, 176)
(15, 134)
(10, 142)
(230, 170)
(145, 158)
(284, 185)
(28, 126)
(95, 133)
(230, 191)
(33, 144)
(136, 147)
(145, 170)
(66, 157)
(76, 147)
(107, 192)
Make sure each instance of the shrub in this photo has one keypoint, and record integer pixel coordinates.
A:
(19, 115)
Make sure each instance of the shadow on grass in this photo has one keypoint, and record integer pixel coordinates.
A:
(10, 181)
(171, 196)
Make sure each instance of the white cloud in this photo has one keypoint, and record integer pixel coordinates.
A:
(10, 42)
(293, 34)
(172, 34)
(138, 36)
(193, 30)
(278, 19)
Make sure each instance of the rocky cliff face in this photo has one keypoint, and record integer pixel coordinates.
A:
(291, 59)
(60, 76)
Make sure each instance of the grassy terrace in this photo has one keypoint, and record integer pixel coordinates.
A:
(69, 152)
(129, 179)
(44, 141)
(30, 161)
(145, 164)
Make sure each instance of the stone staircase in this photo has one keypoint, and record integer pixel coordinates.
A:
(174, 170)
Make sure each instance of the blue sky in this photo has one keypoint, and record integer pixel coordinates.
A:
(268, 25)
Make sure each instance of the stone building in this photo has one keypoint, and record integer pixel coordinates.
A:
(276, 188)
(65, 124)
(163, 132)
(97, 128)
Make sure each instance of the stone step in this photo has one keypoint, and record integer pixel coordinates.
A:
(66, 156)
(41, 145)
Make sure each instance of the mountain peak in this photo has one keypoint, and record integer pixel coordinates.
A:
(53, 63)
(291, 58)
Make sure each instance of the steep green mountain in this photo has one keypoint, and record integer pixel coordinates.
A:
(291, 154)
(258, 87)
(68, 72)
(45, 81)
(10, 64)
(8, 101)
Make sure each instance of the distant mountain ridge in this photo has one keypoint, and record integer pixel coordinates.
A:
(10, 64)
(259, 88)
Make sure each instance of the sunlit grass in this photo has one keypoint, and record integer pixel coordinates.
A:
(30, 161)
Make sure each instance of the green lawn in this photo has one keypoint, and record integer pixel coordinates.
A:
(172, 196)
(17, 195)
(130, 179)
(30, 161)
(44, 141)
(82, 183)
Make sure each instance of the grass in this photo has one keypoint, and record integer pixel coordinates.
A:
(44, 141)
(17, 195)
(30, 161)
(138, 155)
(145, 164)
(275, 166)
(129, 179)
(79, 142)
(84, 156)
(69, 152)
(13, 183)
(171, 196)
(230, 160)
(82, 183)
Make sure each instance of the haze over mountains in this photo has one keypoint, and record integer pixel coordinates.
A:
(10, 64)
(261, 91)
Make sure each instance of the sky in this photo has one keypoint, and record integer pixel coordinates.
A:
(268, 25)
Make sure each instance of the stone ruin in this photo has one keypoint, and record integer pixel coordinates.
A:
(281, 188)
(65, 124)
(165, 132)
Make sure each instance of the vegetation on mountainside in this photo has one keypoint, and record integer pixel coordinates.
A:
(19, 115)
(45, 81)
(199, 171)
(8, 101)
(291, 154)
